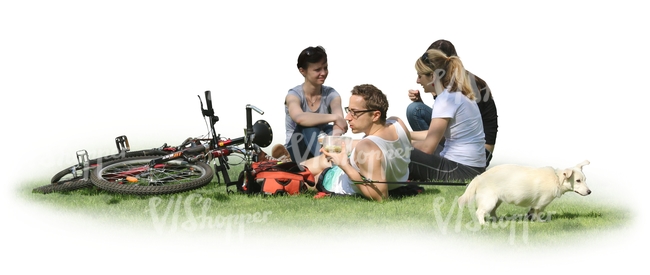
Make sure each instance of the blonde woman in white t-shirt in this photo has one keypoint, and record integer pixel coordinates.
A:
(455, 116)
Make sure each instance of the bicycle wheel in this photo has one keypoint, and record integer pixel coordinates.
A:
(134, 176)
(64, 185)
(76, 171)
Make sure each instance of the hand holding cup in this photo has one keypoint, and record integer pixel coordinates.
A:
(336, 157)
(335, 148)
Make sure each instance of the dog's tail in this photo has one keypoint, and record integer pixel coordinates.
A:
(470, 191)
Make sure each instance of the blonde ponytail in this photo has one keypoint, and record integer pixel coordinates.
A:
(453, 75)
(458, 78)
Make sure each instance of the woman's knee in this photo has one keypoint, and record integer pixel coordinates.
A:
(413, 108)
(418, 116)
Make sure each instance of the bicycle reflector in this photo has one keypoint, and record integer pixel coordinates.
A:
(263, 133)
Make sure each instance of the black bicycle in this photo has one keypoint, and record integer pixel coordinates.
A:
(188, 166)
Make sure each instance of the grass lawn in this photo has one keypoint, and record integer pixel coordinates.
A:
(433, 213)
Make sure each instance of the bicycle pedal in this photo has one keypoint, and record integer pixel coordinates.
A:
(82, 158)
(122, 143)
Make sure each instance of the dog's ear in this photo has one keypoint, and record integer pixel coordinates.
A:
(567, 173)
(579, 166)
(564, 174)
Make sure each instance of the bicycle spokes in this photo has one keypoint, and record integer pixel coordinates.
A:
(140, 173)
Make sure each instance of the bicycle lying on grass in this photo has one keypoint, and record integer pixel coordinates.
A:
(168, 169)
(78, 176)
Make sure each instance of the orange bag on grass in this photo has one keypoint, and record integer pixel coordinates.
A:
(271, 178)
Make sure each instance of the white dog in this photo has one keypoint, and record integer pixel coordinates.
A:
(523, 186)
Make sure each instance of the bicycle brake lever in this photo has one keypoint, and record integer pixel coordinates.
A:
(209, 111)
(201, 101)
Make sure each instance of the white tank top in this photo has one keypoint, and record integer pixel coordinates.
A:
(397, 154)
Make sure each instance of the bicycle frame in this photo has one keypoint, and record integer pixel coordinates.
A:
(216, 148)
(166, 169)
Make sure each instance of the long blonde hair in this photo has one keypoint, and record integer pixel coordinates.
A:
(448, 70)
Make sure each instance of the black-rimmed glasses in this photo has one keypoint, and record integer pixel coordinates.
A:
(357, 113)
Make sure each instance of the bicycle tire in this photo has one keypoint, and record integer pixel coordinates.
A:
(63, 186)
(174, 176)
(74, 170)
(70, 172)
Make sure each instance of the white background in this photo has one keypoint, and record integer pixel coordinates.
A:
(568, 79)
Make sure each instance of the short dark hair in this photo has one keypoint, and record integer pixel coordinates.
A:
(375, 99)
(444, 46)
(311, 55)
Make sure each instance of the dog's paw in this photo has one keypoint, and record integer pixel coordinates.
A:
(530, 217)
(491, 219)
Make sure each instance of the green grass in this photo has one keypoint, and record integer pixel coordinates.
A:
(434, 212)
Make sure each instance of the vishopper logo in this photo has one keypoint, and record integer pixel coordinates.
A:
(455, 213)
(191, 213)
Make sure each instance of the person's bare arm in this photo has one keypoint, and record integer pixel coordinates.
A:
(340, 125)
(306, 118)
(434, 135)
(490, 147)
(368, 158)
(418, 135)
(401, 124)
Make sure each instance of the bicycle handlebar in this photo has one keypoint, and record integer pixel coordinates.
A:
(250, 133)
(231, 142)
(258, 110)
(197, 149)
(218, 148)
(209, 112)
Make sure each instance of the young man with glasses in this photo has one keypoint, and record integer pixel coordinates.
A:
(311, 108)
(382, 155)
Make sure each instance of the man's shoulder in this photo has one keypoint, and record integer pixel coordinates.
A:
(367, 146)
(397, 122)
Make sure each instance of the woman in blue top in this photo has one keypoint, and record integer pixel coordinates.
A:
(455, 117)
(312, 108)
